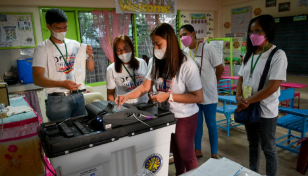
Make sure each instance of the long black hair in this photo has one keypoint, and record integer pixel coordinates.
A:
(171, 64)
(189, 28)
(267, 24)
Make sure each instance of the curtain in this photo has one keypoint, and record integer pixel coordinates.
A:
(109, 25)
(146, 23)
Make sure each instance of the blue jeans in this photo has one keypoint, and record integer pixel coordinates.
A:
(209, 112)
(263, 133)
(63, 107)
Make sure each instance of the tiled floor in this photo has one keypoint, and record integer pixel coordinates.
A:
(235, 147)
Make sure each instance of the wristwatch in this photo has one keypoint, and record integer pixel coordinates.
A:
(89, 56)
(170, 98)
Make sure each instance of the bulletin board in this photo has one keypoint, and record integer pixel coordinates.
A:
(17, 30)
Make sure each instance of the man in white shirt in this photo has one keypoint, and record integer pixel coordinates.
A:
(54, 68)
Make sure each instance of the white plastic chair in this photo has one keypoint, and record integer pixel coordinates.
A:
(93, 96)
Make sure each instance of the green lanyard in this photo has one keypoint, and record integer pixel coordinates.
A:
(133, 78)
(252, 68)
(62, 54)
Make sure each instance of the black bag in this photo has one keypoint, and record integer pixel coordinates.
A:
(252, 113)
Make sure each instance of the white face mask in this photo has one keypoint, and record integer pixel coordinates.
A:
(58, 35)
(126, 57)
(160, 53)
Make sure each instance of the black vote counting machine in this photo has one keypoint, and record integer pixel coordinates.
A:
(104, 123)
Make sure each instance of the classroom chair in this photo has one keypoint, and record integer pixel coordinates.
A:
(224, 87)
(227, 72)
(227, 109)
(295, 120)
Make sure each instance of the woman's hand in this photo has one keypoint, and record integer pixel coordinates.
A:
(160, 97)
(241, 104)
(120, 100)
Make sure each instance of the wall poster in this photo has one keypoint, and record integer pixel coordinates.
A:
(199, 22)
(240, 18)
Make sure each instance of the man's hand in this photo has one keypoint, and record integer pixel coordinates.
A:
(70, 85)
(89, 51)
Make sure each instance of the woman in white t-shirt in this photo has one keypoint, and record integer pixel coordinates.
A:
(177, 81)
(127, 72)
(210, 69)
(260, 34)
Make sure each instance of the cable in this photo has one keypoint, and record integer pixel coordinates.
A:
(41, 148)
(134, 115)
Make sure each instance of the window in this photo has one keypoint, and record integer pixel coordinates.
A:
(89, 36)
(143, 21)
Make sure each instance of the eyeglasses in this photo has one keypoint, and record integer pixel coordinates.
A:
(255, 32)
(126, 49)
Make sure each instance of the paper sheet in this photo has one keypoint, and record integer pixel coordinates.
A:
(218, 45)
(214, 167)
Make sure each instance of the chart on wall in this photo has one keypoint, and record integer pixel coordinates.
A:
(240, 18)
(16, 31)
(199, 22)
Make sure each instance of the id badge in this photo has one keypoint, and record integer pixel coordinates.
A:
(70, 76)
(247, 91)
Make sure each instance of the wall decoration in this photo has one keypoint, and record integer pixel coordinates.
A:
(146, 7)
(240, 34)
(227, 25)
(183, 16)
(227, 45)
(24, 23)
(199, 22)
(270, 3)
(300, 18)
(283, 7)
(229, 35)
(257, 11)
(10, 33)
(236, 44)
(186, 21)
(17, 30)
(240, 18)
(3, 18)
(302, 3)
